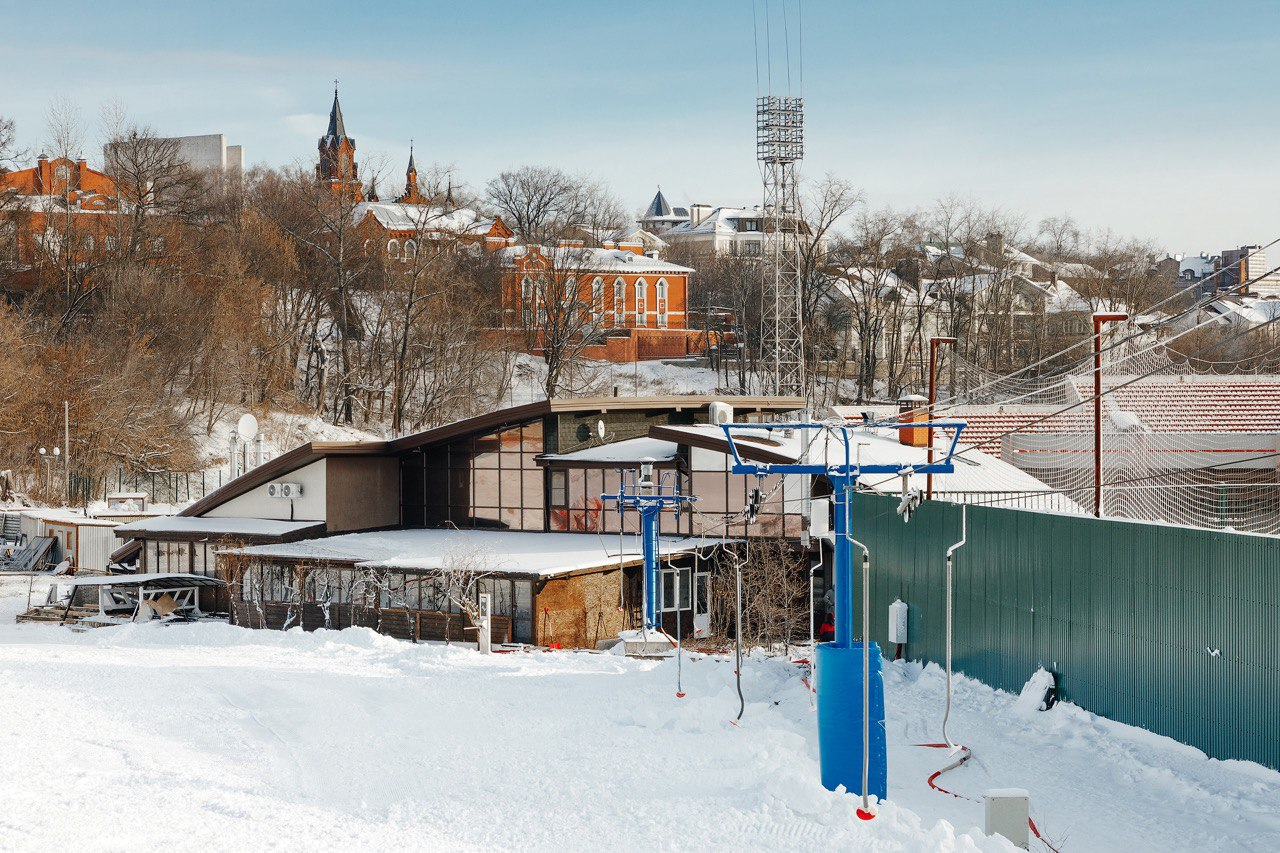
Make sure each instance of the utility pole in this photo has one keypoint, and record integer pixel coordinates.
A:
(1100, 318)
(66, 445)
(934, 343)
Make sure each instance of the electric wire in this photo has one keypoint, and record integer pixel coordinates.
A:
(1105, 392)
(1196, 306)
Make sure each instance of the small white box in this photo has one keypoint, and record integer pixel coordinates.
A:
(898, 622)
(1006, 814)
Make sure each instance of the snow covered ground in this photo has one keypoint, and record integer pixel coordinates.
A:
(213, 737)
(600, 378)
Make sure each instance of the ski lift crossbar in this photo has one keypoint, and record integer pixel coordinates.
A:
(849, 468)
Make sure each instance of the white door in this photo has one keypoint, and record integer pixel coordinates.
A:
(702, 604)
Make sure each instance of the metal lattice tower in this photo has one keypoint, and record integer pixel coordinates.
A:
(779, 148)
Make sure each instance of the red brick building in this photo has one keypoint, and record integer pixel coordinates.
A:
(634, 307)
(58, 210)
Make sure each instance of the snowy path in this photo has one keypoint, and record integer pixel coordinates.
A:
(217, 738)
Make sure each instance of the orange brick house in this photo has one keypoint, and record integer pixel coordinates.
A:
(58, 206)
(400, 227)
(634, 307)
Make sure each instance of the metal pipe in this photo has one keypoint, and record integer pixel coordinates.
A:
(964, 534)
(934, 343)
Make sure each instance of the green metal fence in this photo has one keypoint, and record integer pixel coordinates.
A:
(1173, 629)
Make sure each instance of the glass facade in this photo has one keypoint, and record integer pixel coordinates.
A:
(488, 481)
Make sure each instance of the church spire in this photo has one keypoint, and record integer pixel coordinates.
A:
(337, 163)
(336, 129)
(448, 195)
(412, 195)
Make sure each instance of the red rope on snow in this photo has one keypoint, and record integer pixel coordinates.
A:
(968, 753)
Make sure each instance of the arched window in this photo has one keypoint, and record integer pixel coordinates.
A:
(570, 291)
(393, 248)
(597, 297)
(619, 301)
(368, 246)
(642, 294)
(410, 250)
(662, 303)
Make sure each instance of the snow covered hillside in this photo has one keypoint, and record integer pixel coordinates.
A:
(213, 737)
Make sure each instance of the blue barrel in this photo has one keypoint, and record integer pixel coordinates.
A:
(839, 689)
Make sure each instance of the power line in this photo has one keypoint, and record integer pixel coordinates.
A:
(1105, 392)
(1196, 306)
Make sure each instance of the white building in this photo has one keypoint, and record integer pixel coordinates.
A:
(209, 151)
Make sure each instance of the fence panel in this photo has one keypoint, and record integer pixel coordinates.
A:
(1173, 629)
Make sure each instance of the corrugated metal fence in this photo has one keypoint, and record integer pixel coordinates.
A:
(1176, 630)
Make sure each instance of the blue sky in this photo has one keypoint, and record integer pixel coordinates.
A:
(1152, 118)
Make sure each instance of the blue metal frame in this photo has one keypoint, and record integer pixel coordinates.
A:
(650, 506)
(845, 660)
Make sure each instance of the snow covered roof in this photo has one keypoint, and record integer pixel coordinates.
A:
(631, 451)
(171, 580)
(597, 260)
(423, 219)
(722, 220)
(507, 552)
(215, 526)
(974, 472)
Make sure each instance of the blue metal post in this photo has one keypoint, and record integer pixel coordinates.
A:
(842, 562)
(649, 513)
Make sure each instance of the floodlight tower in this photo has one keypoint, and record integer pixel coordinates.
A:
(779, 148)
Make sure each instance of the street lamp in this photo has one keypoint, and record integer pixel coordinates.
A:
(48, 465)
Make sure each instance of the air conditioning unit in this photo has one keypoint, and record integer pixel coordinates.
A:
(720, 413)
(287, 491)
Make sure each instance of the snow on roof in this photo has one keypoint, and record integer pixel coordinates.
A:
(630, 451)
(498, 551)
(597, 260)
(1198, 265)
(1063, 298)
(215, 526)
(974, 472)
(722, 220)
(395, 216)
(57, 515)
(165, 580)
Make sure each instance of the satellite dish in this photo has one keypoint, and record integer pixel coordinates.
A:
(600, 428)
(247, 426)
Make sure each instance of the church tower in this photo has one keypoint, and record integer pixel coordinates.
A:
(412, 195)
(338, 156)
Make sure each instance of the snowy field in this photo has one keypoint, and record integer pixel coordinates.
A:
(212, 737)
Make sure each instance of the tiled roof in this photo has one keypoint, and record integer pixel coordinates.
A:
(1199, 406)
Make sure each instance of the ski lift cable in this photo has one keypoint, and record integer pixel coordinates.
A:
(1068, 370)
(1105, 392)
(1196, 306)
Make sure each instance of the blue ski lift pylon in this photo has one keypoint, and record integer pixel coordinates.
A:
(650, 499)
(852, 748)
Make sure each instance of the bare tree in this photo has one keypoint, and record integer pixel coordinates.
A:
(559, 309)
(541, 202)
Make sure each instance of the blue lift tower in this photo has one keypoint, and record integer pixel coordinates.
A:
(650, 498)
(852, 750)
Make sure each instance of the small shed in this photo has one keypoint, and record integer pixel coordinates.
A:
(87, 541)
